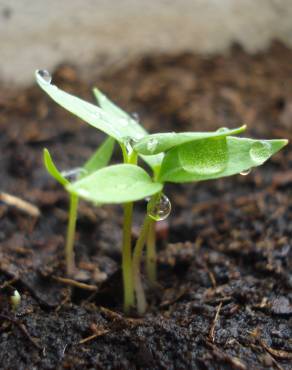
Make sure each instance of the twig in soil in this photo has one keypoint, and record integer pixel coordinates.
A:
(233, 361)
(9, 283)
(272, 353)
(212, 278)
(23, 205)
(23, 329)
(93, 336)
(212, 329)
(65, 300)
(75, 283)
(115, 316)
(280, 354)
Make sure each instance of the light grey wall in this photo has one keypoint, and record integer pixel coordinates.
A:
(42, 33)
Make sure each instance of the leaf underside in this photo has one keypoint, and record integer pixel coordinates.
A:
(116, 127)
(101, 157)
(105, 103)
(120, 183)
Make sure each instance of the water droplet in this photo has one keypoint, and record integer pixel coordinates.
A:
(135, 117)
(260, 151)
(74, 173)
(222, 129)
(159, 210)
(152, 145)
(245, 172)
(129, 142)
(204, 157)
(44, 76)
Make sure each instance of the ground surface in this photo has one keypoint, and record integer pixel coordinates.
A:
(224, 299)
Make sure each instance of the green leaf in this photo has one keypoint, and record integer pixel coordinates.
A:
(157, 143)
(101, 157)
(120, 183)
(106, 104)
(153, 161)
(205, 160)
(52, 169)
(118, 128)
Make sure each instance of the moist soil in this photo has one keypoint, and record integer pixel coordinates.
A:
(223, 300)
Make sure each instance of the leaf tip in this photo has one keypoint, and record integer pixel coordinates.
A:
(46, 155)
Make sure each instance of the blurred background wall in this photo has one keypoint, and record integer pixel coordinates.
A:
(41, 34)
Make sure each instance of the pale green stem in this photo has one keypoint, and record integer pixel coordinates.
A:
(137, 258)
(69, 249)
(129, 300)
(151, 255)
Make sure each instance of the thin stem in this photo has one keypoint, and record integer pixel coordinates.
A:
(69, 249)
(129, 298)
(151, 255)
(127, 258)
(137, 257)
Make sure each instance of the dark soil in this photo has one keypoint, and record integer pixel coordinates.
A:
(224, 295)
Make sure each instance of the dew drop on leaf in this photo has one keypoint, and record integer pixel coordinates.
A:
(245, 172)
(152, 144)
(204, 157)
(135, 117)
(222, 129)
(160, 209)
(73, 174)
(259, 152)
(129, 142)
(44, 76)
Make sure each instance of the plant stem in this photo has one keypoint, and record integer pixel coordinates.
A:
(137, 257)
(69, 249)
(151, 255)
(127, 258)
(129, 298)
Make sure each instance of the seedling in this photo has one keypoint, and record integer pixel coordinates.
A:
(172, 157)
(15, 300)
(98, 160)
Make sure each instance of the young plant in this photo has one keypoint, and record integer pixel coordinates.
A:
(98, 160)
(173, 157)
(122, 127)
